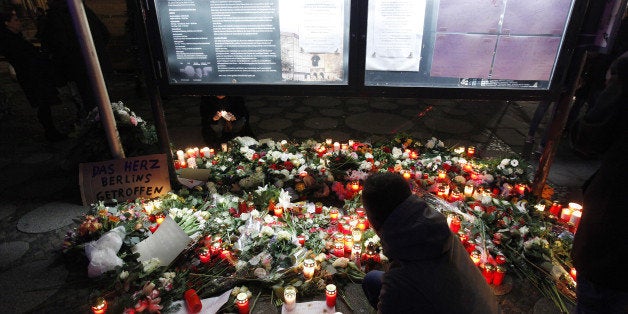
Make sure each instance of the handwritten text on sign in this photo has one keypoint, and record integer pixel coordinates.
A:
(125, 179)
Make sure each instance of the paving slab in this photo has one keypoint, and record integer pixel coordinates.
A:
(273, 135)
(276, 124)
(383, 105)
(294, 115)
(304, 109)
(50, 217)
(335, 135)
(11, 252)
(6, 210)
(332, 112)
(40, 187)
(448, 125)
(378, 123)
(29, 285)
(321, 123)
(324, 102)
(270, 110)
(304, 133)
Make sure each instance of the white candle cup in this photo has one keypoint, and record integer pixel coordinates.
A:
(181, 156)
(224, 147)
(309, 265)
(290, 297)
(575, 218)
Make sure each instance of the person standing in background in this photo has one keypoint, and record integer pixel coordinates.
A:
(33, 72)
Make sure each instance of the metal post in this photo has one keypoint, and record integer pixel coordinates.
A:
(556, 127)
(77, 10)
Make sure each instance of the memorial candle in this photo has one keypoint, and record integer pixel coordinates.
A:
(442, 174)
(290, 297)
(575, 218)
(333, 215)
(180, 156)
(204, 255)
(330, 294)
(468, 190)
(356, 252)
(100, 307)
(360, 212)
(309, 265)
(278, 211)
(407, 175)
(348, 243)
(455, 224)
(573, 273)
(336, 146)
(565, 215)
(301, 239)
(470, 151)
(339, 249)
(555, 209)
(357, 235)
(475, 257)
(242, 301)
(498, 276)
(328, 141)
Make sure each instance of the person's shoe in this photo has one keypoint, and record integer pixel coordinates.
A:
(55, 136)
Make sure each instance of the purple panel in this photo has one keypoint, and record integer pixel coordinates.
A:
(454, 16)
(535, 17)
(461, 55)
(525, 58)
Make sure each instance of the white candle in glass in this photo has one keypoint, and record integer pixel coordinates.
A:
(290, 297)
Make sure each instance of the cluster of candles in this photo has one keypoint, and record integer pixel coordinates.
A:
(493, 272)
(156, 219)
(348, 237)
(187, 158)
(570, 215)
(212, 247)
(468, 151)
(290, 297)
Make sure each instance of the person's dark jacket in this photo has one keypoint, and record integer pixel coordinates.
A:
(600, 251)
(430, 271)
(31, 69)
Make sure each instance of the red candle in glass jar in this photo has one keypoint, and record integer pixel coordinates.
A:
(301, 239)
(360, 212)
(455, 224)
(555, 209)
(330, 295)
(573, 273)
(361, 224)
(488, 271)
(243, 303)
(339, 249)
(333, 215)
(204, 255)
(498, 276)
(278, 211)
(500, 259)
(192, 301)
(318, 208)
(470, 151)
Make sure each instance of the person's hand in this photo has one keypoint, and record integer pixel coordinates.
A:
(217, 116)
(228, 116)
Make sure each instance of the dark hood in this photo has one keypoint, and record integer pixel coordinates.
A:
(415, 231)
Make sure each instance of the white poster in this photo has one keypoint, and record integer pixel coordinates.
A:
(395, 35)
(322, 26)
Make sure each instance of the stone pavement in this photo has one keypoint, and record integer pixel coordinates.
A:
(39, 193)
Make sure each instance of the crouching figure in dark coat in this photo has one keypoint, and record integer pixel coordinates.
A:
(430, 271)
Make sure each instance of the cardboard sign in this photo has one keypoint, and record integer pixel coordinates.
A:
(193, 177)
(124, 179)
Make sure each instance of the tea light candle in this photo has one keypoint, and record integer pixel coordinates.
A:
(309, 265)
(355, 186)
(414, 155)
(351, 143)
(336, 146)
(361, 224)
(467, 168)
(318, 208)
(242, 301)
(521, 189)
(328, 141)
(330, 293)
(290, 297)
(224, 147)
(344, 147)
(573, 273)
(100, 306)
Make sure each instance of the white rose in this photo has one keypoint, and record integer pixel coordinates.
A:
(514, 163)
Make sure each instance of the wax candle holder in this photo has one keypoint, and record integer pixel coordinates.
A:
(242, 301)
(290, 297)
(330, 295)
(309, 266)
(100, 306)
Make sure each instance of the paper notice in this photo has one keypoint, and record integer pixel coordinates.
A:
(165, 244)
